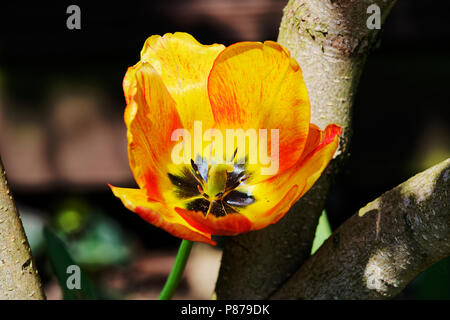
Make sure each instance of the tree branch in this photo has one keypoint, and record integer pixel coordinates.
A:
(331, 41)
(18, 275)
(379, 250)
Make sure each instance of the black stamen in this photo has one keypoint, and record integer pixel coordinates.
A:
(194, 166)
(199, 205)
(236, 181)
(219, 195)
(185, 184)
(189, 183)
(234, 154)
(239, 199)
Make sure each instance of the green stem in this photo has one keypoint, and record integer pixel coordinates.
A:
(177, 270)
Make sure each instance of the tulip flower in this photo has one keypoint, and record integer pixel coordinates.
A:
(179, 83)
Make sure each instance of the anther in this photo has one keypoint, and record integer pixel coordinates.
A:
(234, 154)
(194, 166)
(219, 195)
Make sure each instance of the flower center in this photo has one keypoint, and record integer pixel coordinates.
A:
(211, 188)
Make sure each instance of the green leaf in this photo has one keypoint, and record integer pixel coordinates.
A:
(323, 231)
(60, 260)
(101, 243)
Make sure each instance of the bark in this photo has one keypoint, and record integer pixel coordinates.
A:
(380, 249)
(331, 41)
(18, 275)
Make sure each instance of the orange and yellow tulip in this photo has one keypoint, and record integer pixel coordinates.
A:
(179, 81)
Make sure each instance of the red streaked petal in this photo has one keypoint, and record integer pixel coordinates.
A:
(184, 65)
(294, 183)
(160, 215)
(255, 85)
(229, 225)
(151, 117)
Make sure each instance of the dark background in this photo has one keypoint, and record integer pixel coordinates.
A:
(62, 137)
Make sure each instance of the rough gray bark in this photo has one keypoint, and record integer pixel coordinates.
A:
(255, 264)
(18, 275)
(331, 41)
(380, 249)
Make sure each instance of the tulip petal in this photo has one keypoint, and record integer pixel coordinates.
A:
(184, 65)
(228, 225)
(255, 85)
(151, 117)
(294, 183)
(159, 214)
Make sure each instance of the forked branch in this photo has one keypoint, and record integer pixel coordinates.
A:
(330, 40)
(380, 249)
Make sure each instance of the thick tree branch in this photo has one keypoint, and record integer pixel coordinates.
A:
(331, 41)
(18, 274)
(379, 250)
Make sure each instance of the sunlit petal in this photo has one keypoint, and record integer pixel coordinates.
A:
(184, 65)
(159, 214)
(151, 117)
(258, 85)
(274, 197)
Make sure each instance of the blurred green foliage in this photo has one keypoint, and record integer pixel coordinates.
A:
(60, 260)
(94, 239)
(323, 231)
